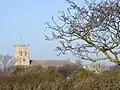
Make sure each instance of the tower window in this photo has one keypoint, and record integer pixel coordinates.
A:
(24, 60)
(25, 53)
(21, 53)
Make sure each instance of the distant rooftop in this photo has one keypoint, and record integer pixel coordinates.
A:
(46, 63)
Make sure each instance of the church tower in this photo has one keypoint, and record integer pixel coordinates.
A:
(21, 55)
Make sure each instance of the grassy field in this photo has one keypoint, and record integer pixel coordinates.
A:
(52, 78)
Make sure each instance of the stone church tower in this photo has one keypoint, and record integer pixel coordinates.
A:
(21, 55)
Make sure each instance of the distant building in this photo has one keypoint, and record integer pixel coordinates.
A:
(96, 67)
(22, 57)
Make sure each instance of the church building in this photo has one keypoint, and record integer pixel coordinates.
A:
(22, 57)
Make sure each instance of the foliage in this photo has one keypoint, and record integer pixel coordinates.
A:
(67, 70)
(37, 78)
(83, 75)
(91, 30)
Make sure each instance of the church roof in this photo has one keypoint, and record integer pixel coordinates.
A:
(47, 63)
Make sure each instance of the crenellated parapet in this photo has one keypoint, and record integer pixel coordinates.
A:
(19, 45)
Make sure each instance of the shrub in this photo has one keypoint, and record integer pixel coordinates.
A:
(36, 78)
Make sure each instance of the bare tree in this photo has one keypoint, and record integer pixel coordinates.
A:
(91, 32)
(6, 62)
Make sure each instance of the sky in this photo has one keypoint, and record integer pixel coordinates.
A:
(26, 19)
